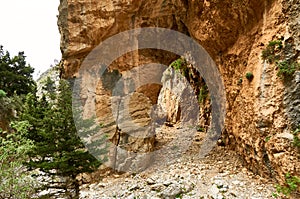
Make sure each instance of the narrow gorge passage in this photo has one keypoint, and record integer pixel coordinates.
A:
(262, 110)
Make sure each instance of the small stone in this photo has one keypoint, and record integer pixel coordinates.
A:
(219, 183)
(101, 184)
(150, 181)
(85, 186)
(220, 197)
(236, 182)
(93, 186)
(223, 190)
(226, 186)
(157, 187)
(131, 196)
(214, 191)
(172, 191)
(133, 187)
(167, 183)
(286, 136)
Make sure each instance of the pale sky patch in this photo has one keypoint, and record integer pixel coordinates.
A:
(31, 26)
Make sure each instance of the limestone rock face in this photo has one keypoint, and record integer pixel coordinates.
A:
(177, 99)
(234, 33)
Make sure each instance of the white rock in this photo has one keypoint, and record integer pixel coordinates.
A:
(214, 191)
(150, 181)
(157, 187)
(236, 182)
(171, 191)
(219, 183)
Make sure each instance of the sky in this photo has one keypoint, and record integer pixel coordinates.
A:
(31, 26)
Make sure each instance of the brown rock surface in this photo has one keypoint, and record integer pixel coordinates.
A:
(234, 33)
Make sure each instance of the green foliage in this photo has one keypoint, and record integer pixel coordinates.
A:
(273, 53)
(286, 68)
(2, 93)
(180, 66)
(177, 64)
(292, 185)
(8, 106)
(270, 53)
(179, 195)
(200, 129)
(203, 94)
(16, 182)
(240, 81)
(267, 138)
(48, 87)
(58, 150)
(249, 76)
(16, 75)
(275, 43)
(296, 140)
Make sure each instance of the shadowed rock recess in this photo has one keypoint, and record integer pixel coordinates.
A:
(260, 114)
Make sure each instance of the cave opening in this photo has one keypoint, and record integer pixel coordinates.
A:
(151, 116)
(156, 83)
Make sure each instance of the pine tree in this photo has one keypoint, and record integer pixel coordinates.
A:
(58, 150)
(16, 75)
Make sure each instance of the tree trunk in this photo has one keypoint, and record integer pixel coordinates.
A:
(76, 186)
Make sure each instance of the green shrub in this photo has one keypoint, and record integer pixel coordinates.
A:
(200, 129)
(273, 53)
(249, 76)
(286, 68)
(203, 94)
(180, 66)
(275, 43)
(2, 93)
(269, 53)
(267, 138)
(292, 185)
(296, 140)
(177, 64)
(15, 181)
(240, 81)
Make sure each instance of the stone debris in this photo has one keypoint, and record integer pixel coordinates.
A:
(218, 176)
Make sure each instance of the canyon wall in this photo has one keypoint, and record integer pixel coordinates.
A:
(260, 113)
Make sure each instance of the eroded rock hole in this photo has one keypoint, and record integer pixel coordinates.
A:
(143, 117)
(179, 75)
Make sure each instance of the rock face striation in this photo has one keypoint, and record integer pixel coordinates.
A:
(260, 113)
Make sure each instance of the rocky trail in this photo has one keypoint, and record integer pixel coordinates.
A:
(256, 38)
(220, 175)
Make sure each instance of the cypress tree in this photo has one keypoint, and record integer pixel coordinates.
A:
(58, 149)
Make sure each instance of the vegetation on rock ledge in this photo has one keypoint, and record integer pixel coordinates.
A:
(274, 53)
(296, 140)
(292, 185)
(249, 76)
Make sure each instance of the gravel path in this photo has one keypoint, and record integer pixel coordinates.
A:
(220, 175)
